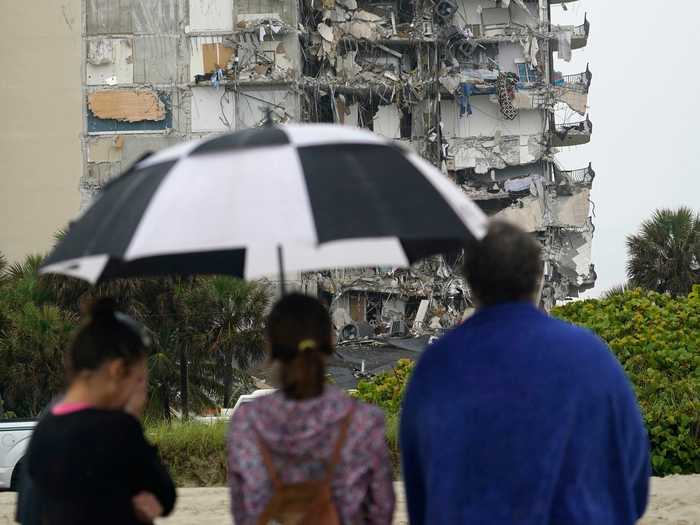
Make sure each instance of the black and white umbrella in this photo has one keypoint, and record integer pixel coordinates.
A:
(315, 196)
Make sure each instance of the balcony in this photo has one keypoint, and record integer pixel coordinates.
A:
(579, 35)
(573, 134)
(581, 177)
(580, 82)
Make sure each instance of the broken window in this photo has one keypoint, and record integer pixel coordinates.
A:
(527, 73)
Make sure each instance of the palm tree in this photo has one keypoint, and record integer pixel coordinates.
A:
(33, 337)
(665, 255)
(3, 267)
(236, 336)
(620, 289)
(206, 333)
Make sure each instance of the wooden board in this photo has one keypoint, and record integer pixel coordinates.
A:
(215, 56)
(358, 307)
(127, 106)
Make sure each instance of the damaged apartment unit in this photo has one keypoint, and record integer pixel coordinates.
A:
(468, 84)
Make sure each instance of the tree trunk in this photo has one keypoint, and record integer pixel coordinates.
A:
(183, 384)
(165, 393)
(228, 380)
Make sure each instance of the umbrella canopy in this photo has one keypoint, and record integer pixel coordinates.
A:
(324, 196)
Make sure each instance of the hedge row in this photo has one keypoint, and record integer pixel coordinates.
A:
(655, 337)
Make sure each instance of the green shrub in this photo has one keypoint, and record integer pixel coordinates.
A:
(657, 339)
(194, 452)
(386, 391)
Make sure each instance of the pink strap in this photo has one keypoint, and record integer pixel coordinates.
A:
(63, 409)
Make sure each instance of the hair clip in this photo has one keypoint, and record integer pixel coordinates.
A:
(306, 344)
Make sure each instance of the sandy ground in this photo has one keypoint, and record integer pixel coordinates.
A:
(674, 501)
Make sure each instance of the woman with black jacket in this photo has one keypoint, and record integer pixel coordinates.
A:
(88, 460)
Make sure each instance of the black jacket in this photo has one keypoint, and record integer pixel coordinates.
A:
(86, 466)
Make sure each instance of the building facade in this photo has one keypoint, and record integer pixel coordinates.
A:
(41, 125)
(469, 84)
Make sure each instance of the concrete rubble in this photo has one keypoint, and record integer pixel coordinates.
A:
(468, 84)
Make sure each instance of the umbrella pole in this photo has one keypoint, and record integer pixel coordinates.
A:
(280, 260)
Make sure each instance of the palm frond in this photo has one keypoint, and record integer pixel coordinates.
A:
(664, 256)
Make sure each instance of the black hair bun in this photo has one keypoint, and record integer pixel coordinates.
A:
(103, 308)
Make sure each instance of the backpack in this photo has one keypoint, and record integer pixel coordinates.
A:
(308, 502)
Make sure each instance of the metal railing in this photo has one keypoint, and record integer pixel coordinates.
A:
(579, 82)
(582, 126)
(583, 30)
(580, 177)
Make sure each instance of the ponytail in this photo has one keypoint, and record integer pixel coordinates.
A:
(300, 336)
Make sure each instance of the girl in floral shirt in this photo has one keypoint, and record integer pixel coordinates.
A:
(301, 423)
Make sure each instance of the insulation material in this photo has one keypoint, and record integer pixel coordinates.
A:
(109, 62)
(127, 106)
(215, 56)
(212, 110)
(105, 150)
(210, 15)
(387, 122)
(570, 211)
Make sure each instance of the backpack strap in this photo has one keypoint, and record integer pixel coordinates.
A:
(267, 461)
(342, 436)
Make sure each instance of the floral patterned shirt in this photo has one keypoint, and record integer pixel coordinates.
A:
(301, 436)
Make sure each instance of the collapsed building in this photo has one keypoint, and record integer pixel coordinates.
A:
(468, 84)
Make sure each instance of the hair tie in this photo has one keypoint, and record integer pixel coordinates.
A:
(306, 344)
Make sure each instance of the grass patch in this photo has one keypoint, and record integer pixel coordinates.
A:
(194, 452)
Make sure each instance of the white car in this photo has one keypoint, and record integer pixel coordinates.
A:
(14, 438)
(248, 398)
